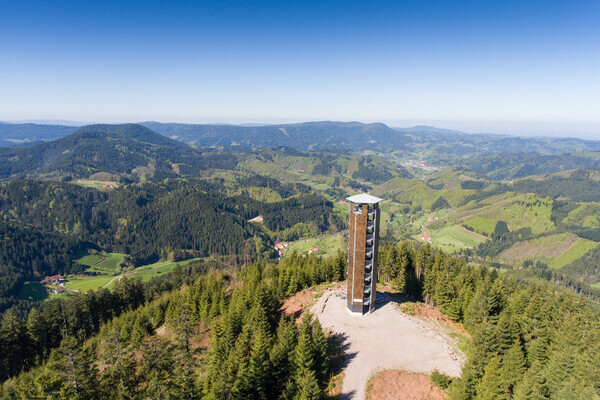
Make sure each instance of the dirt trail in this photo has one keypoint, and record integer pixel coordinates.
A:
(386, 339)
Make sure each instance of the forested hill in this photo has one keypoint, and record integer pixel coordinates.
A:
(375, 136)
(118, 149)
(47, 223)
(434, 145)
(159, 151)
(303, 136)
(18, 134)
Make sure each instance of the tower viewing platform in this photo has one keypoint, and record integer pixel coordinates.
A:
(363, 242)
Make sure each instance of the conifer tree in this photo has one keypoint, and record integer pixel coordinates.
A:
(563, 355)
(533, 386)
(15, 344)
(259, 365)
(320, 352)
(308, 387)
(303, 356)
(282, 355)
(513, 365)
(492, 386)
(76, 367)
(157, 368)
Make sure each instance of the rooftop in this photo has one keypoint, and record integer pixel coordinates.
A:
(363, 198)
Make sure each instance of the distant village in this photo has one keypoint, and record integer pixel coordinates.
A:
(420, 165)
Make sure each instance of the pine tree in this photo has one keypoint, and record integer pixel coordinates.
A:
(320, 352)
(308, 387)
(513, 365)
(184, 323)
(119, 378)
(260, 367)
(533, 386)
(238, 367)
(492, 386)
(303, 357)
(282, 355)
(76, 366)
(157, 368)
(563, 355)
(576, 390)
(504, 334)
(15, 344)
(454, 310)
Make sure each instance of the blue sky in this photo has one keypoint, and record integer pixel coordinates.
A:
(530, 67)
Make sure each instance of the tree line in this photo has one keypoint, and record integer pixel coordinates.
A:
(47, 223)
(530, 340)
(255, 351)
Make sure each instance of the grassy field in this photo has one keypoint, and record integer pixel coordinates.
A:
(85, 283)
(453, 238)
(101, 185)
(148, 272)
(36, 291)
(518, 211)
(574, 252)
(105, 263)
(482, 225)
(596, 285)
(145, 272)
(586, 215)
(327, 245)
(555, 250)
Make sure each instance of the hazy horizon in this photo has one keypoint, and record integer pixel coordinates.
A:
(526, 129)
(513, 67)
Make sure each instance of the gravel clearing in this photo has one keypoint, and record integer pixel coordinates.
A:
(386, 339)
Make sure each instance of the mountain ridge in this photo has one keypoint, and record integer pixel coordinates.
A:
(120, 149)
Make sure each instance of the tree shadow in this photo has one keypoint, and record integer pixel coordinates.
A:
(384, 298)
(337, 348)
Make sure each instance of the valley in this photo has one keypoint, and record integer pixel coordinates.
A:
(161, 245)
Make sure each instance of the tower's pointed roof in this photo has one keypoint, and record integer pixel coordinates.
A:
(363, 198)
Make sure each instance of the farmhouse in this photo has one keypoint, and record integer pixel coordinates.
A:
(53, 280)
(280, 245)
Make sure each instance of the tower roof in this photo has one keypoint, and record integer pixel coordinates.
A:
(363, 198)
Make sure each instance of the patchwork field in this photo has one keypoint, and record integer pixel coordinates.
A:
(518, 211)
(482, 225)
(327, 245)
(554, 250)
(107, 273)
(453, 238)
(101, 262)
(586, 215)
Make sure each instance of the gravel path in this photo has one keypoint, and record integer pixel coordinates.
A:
(386, 339)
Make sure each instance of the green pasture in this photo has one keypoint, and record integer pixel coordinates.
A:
(556, 250)
(327, 244)
(577, 250)
(146, 272)
(84, 283)
(482, 225)
(453, 238)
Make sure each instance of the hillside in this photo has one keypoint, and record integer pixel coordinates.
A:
(495, 156)
(119, 149)
(303, 136)
(19, 134)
